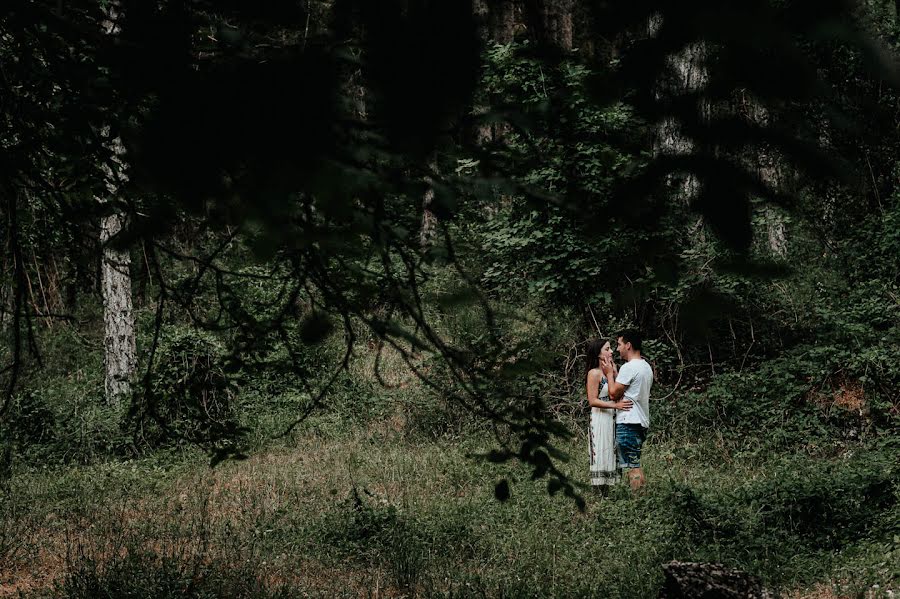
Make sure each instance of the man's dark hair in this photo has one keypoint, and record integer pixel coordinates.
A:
(632, 336)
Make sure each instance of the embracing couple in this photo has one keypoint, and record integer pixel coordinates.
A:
(620, 409)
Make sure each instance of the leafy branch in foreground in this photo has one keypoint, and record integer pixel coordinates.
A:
(312, 155)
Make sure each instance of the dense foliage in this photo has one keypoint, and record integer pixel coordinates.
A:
(343, 217)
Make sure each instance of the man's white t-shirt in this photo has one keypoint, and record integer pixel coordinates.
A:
(637, 376)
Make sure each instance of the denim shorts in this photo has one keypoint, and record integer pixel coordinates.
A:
(629, 439)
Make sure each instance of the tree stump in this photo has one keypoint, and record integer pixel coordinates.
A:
(688, 580)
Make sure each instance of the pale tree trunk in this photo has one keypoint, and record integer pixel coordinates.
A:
(766, 163)
(429, 220)
(115, 267)
(118, 316)
(355, 90)
(687, 73)
(776, 232)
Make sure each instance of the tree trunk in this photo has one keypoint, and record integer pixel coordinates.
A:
(429, 220)
(687, 73)
(497, 19)
(115, 267)
(766, 164)
(551, 22)
(118, 315)
(776, 233)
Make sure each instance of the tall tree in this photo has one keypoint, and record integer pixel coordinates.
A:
(118, 315)
(767, 163)
(686, 75)
(429, 219)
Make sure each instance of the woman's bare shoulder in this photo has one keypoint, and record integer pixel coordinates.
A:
(595, 373)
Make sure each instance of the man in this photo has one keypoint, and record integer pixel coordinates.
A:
(632, 383)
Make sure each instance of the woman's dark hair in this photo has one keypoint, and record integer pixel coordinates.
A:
(592, 357)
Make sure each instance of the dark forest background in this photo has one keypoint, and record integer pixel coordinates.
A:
(349, 254)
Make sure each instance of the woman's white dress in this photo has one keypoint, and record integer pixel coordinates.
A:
(602, 441)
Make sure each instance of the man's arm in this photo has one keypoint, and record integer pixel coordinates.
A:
(616, 390)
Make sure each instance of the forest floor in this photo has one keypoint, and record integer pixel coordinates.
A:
(374, 512)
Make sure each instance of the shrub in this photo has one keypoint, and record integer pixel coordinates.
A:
(772, 407)
(804, 511)
(190, 395)
(31, 421)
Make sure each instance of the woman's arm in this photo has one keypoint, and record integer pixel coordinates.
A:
(593, 388)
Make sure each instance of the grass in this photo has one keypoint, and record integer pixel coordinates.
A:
(375, 511)
(382, 495)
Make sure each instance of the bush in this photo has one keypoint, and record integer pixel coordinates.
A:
(772, 407)
(65, 421)
(805, 511)
(190, 394)
(31, 421)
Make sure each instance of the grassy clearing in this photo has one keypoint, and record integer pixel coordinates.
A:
(375, 510)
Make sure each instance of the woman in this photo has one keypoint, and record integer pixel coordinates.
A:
(603, 417)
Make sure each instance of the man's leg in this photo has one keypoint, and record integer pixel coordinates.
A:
(636, 478)
(630, 442)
